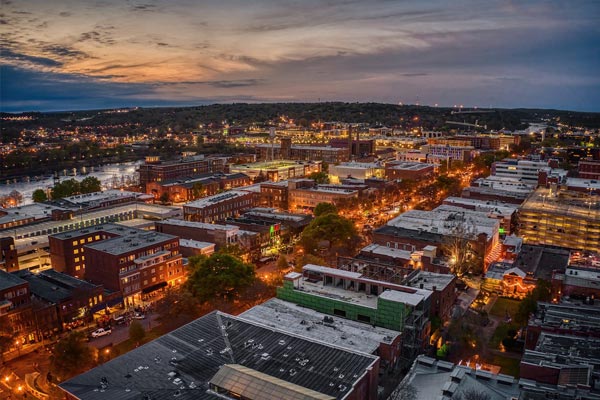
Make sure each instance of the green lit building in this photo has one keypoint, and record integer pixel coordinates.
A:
(351, 295)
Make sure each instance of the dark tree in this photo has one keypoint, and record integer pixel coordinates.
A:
(71, 356)
(218, 276)
(39, 196)
(339, 231)
(136, 332)
(90, 184)
(66, 188)
(319, 177)
(325, 208)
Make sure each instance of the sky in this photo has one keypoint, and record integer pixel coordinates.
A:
(80, 54)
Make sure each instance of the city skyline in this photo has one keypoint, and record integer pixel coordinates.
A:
(84, 55)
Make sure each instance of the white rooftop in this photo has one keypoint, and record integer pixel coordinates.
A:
(387, 251)
(341, 332)
(101, 196)
(495, 207)
(327, 270)
(195, 244)
(443, 222)
(200, 225)
(412, 299)
(583, 183)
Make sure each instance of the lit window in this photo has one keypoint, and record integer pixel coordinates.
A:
(82, 241)
(75, 243)
(76, 251)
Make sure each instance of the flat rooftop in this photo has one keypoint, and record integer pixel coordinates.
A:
(572, 204)
(269, 165)
(184, 361)
(409, 166)
(271, 213)
(199, 225)
(216, 199)
(101, 196)
(131, 241)
(35, 210)
(345, 333)
(430, 280)
(53, 286)
(8, 280)
(387, 251)
(495, 207)
(443, 221)
(195, 244)
(584, 183)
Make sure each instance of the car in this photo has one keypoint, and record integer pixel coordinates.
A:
(139, 316)
(120, 320)
(101, 332)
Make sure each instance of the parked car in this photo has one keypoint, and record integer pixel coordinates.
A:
(101, 332)
(139, 316)
(120, 320)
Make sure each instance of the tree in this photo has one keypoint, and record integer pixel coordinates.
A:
(282, 263)
(458, 246)
(527, 306)
(339, 231)
(325, 208)
(178, 306)
(66, 188)
(71, 356)
(90, 184)
(164, 197)
(16, 196)
(39, 196)
(7, 335)
(136, 332)
(319, 177)
(198, 190)
(218, 276)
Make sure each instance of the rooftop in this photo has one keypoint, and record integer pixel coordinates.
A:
(490, 206)
(430, 280)
(9, 280)
(541, 260)
(53, 286)
(195, 244)
(101, 196)
(408, 165)
(572, 204)
(217, 198)
(183, 362)
(345, 333)
(441, 380)
(378, 249)
(199, 225)
(35, 210)
(444, 222)
(132, 241)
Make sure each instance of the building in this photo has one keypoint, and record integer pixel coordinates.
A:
(14, 217)
(103, 199)
(9, 259)
(523, 170)
(352, 296)
(73, 300)
(435, 379)
(400, 259)
(220, 235)
(578, 281)
(308, 198)
(589, 169)
(340, 332)
(15, 307)
(400, 170)
(219, 207)
(188, 189)
(561, 218)
(559, 359)
(135, 263)
(443, 291)
(358, 170)
(416, 229)
(495, 188)
(189, 248)
(328, 154)
(278, 170)
(440, 152)
(155, 170)
(221, 356)
(505, 212)
(276, 194)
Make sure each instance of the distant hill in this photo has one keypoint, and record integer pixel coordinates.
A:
(180, 119)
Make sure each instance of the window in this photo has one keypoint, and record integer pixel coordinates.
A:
(89, 239)
(340, 313)
(76, 259)
(77, 268)
(97, 237)
(363, 318)
(82, 241)
(76, 251)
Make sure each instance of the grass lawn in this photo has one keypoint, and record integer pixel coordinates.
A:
(508, 366)
(503, 305)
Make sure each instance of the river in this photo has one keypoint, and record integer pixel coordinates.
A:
(110, 175)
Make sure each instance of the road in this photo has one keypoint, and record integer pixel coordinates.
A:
(120, 333)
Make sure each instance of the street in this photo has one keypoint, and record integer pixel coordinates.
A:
(120, 333)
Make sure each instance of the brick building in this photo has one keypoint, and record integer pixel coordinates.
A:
(188, 189)
(154, 170)
(219, 207)
(589, 169)
(135, 264)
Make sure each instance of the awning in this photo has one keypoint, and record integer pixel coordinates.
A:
(152, 288)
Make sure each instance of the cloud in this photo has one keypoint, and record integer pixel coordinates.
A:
(14, 57)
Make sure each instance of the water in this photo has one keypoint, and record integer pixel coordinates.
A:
(110, 175)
